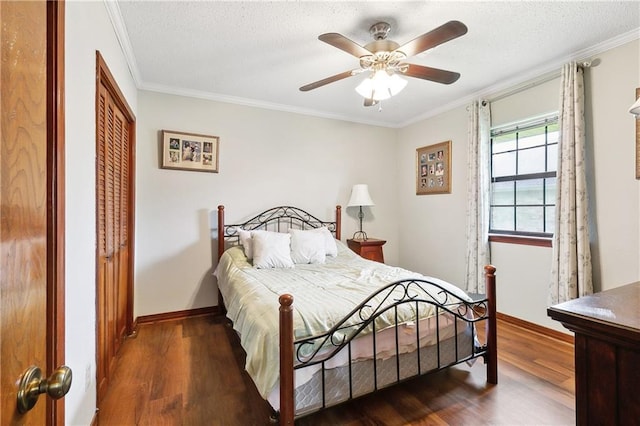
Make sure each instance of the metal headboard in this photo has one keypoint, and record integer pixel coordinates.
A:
(278, 219)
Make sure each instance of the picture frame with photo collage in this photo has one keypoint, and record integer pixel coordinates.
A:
(190, 151)
(433, 169)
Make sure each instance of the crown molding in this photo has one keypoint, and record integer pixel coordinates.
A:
(201, 94)
(113, 9)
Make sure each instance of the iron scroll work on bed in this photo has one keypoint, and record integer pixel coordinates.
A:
(317, 351)
(278, 219)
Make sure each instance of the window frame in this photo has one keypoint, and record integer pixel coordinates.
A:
(514, 236)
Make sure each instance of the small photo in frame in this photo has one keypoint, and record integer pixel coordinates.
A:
(433, 169)
(189, 151)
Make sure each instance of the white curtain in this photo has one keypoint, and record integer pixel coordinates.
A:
(478, 163)
(571, 274)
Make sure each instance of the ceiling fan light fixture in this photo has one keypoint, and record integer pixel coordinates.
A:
(383, 59)
(381, 85)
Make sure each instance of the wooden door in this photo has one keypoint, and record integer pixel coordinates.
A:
(31, 202)
(114, 205)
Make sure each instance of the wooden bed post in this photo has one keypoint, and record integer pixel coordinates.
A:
(287, 408)
(492, 336)
(338, 221)
(221, 307)
(220, 230)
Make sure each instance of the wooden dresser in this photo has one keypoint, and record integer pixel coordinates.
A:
(607, 354)
(371, 248)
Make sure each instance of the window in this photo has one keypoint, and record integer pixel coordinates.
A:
(523, 177)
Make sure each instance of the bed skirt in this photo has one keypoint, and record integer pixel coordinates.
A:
(389, 371)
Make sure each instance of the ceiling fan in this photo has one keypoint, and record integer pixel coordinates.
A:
(383, 59)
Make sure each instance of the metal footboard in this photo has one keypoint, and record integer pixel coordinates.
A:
(382, 311)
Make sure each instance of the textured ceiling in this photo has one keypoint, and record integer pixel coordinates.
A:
(259, 53)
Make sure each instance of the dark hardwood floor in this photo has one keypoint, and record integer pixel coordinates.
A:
(190, 372)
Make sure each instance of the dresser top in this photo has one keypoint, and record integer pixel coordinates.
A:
(618, 307)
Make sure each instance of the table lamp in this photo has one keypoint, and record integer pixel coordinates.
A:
(360, 197)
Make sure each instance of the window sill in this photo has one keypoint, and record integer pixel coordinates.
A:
(517, 239)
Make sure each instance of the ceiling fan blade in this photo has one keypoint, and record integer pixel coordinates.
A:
(433, 74)
(369, 102)
(433, 38)
(343, 43)
(327, 80)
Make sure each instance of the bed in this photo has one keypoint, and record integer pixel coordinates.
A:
(321, 326)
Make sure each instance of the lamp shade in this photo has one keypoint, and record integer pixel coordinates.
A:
(381, 85)
(360, 196)
(635, 108)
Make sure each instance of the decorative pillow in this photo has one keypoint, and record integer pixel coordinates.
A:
(246, 241)
(330, 247)
(307, 246)
(271, 250)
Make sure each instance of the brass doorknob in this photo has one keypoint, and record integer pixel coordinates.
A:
(32, 384)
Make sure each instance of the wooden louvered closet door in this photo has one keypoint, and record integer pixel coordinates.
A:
(114, 130)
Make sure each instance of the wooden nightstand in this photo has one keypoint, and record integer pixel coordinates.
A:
(371, 248)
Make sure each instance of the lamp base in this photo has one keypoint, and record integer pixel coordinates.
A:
(360, 235)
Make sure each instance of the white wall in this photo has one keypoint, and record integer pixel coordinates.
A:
(88, 29)
(433, 227)
(267, 158)
(432, 236)
(539, 100)
(611, 87)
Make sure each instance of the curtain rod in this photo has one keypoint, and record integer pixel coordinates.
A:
(533, 83)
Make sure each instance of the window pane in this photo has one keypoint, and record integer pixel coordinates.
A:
(530, 138)
(549, 220)
(502, 143)
(550, 187)
(553, 132)
(504, 164)
(502, 193)
(552, 158)
(502, 218)
(531, 160)
(529, 191)
(529, 219)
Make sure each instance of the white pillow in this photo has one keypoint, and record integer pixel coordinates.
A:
(247, 242)
(307, 246)
(330, 247)
(271, 250)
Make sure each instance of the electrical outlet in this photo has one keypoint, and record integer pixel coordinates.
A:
(87, 377)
